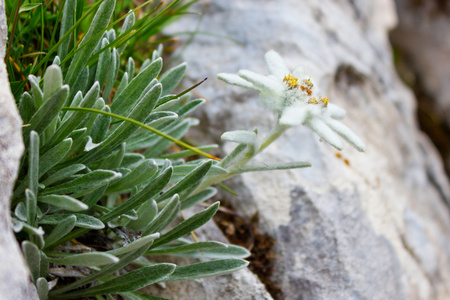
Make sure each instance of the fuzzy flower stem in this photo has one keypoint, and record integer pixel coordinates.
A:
(275, 133)
(237, 158)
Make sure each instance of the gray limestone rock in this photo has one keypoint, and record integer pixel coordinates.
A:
(355, 225)
(241, 285)
(423, 38)
(15, 280)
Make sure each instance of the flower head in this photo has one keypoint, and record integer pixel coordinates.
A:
(294, 97)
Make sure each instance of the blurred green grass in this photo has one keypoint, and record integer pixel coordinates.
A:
(34, 28)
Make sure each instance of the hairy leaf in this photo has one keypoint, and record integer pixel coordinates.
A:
(64, 202)
(60, 230)
(83, 221)
(209, 268)
(188, 225)
(91, 259)
(83, 184)
(131, 281)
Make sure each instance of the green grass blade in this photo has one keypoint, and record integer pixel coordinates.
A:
(172, 77)
(127, 24)
(121, 133)
(119, 42)
(66, 24)
(187, 153)
(123, 102)
(149, 128)
(158, 145)
(90, 40)
(66, 35)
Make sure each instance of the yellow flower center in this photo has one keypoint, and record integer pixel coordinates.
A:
(306, 86)
(313, 101)
(324, 101)
(308, 82)
(291, 81)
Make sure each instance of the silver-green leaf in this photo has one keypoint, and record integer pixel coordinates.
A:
(64, 202)
(91, 259)
(209, 268)
(131, 281)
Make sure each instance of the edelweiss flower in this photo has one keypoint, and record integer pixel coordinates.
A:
(295, 99)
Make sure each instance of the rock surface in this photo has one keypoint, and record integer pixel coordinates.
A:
(423, 37)
(354, 226)
(14, 274)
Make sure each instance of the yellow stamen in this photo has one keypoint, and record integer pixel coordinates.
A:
(313, 101)
(308, 82)
(291, 81)
(324, 101)
(305, 89)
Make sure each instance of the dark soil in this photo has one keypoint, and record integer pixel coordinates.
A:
(245, 233)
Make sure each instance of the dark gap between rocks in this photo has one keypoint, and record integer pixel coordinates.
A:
(245, 233)
(431, 120)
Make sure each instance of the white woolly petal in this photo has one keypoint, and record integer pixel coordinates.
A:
(294, 115)
(315, 90)
(276, 64)
(264, 83)
(315, 110)
(324, 132)
(272, 101)
(234, 79)
(335, 111)
(240, 136)
(346, 134)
